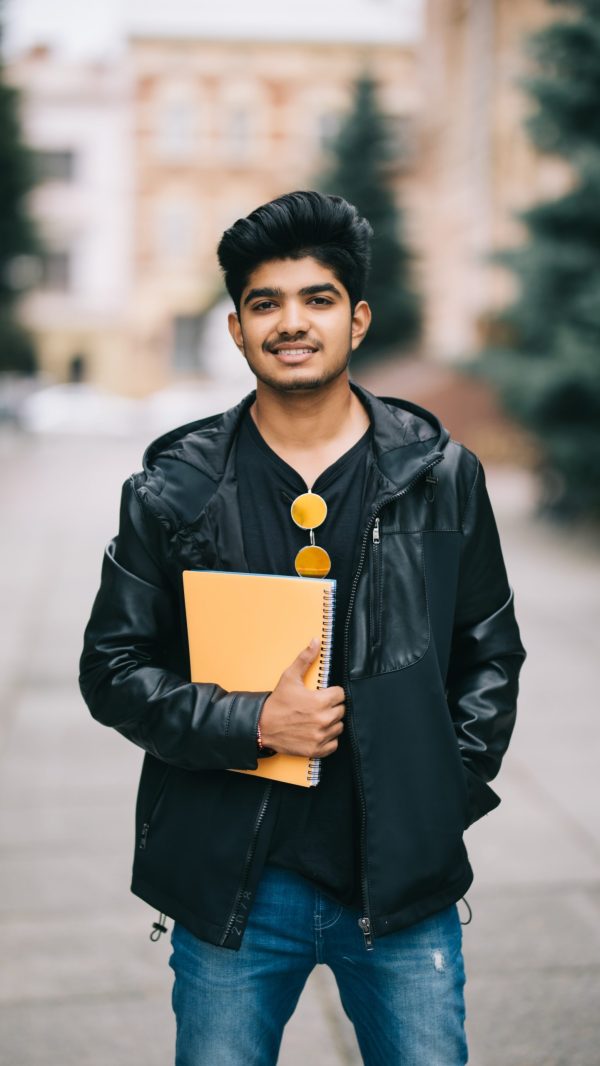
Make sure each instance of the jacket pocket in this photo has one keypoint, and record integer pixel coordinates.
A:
(481, 798)
(390, 617)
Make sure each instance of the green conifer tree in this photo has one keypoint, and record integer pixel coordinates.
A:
(362, 155)
(17, 233)
(546, 356)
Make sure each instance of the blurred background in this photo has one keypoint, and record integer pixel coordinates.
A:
(131, 135)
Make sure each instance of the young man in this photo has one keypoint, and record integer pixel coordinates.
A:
(263, 879)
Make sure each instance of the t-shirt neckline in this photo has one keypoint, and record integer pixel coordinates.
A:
(326, 476)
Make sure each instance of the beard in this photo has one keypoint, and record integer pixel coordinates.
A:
(307, 384)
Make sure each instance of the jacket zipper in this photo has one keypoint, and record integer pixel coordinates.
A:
(365, 921)
(146, 825)
(247, 864)
(376, 588)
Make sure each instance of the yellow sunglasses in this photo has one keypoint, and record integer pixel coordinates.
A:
(309, 511)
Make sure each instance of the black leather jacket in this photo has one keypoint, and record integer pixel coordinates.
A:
(432, 657)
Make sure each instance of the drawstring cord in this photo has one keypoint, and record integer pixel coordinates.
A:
(158, 928)
(464, 900)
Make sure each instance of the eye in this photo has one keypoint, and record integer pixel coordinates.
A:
(320, 300)
(264, 305)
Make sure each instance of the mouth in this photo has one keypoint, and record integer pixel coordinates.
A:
(292, 354)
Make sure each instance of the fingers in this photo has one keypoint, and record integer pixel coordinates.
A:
(333, 698)
(328, 748)
(317, 712)
(330, 742)
(336, 695)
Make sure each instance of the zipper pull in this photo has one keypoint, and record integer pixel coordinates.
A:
(365, 925)
(430, 487)
(376, 532)
(144, 836)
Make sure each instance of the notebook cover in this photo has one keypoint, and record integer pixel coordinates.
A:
(245, 629)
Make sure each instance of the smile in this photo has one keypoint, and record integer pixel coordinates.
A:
(294, 351)
(293, 355)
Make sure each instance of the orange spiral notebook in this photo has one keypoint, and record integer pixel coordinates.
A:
(244, 630)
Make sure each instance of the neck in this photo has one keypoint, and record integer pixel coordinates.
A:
(318, 416)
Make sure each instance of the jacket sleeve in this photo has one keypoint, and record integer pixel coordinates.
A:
(125, 677)
(486, 655)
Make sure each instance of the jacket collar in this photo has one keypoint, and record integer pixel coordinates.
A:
(406, 439)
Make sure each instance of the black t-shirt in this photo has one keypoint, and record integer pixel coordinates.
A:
(316, 829)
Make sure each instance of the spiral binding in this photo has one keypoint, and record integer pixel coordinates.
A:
(314, 766)
(326, 636)
(314, 771)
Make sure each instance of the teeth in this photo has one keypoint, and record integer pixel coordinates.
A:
(294, 351)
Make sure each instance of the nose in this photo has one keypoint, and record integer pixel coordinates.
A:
(293, 318)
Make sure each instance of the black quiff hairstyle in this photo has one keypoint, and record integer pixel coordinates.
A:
(293, 226)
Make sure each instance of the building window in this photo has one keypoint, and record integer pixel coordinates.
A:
(175, 223)
(53, 165)
(185, 354)
(55, 270)
(238, 134)
(176, 130)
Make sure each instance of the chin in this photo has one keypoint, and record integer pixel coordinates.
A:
(299, 386)
(298, 383)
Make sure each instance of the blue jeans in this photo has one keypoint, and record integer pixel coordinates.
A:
(404, 998)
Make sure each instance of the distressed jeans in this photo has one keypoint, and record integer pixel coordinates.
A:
(404, 998)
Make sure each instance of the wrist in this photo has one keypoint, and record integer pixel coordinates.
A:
(262, 749)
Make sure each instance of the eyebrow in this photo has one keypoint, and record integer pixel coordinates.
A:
(308, 290)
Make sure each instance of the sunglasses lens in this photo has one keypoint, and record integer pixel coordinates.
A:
(309, 510)
(312, 561)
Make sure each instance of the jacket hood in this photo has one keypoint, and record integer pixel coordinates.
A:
(406, 439)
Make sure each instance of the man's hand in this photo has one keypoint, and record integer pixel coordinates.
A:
(296, 720)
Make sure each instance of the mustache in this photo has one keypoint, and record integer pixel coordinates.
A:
(271, 346)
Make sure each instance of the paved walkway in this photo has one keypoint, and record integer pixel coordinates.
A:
(80, 983)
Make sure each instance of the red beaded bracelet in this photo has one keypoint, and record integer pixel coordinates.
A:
(261, 746)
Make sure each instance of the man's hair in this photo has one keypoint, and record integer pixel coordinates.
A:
(293, 226)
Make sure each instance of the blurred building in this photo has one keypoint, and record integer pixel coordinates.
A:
(220, 127)
(76, 118)
(476, 162)
(144, 164)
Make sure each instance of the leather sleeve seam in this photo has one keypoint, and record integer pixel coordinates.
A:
(147, 525)
(229, 713)
(469, 497)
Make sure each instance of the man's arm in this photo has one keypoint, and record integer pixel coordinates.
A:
(124, 673)
(486, 655)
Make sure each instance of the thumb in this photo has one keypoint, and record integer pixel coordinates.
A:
(307, 656)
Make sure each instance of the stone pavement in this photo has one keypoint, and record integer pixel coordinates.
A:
(80, 983)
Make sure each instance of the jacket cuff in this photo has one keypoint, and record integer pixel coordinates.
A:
(242, 728)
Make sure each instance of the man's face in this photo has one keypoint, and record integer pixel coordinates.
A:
(296, 327)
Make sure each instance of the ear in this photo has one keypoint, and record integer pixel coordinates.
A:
(361, 320)
(235, 330)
